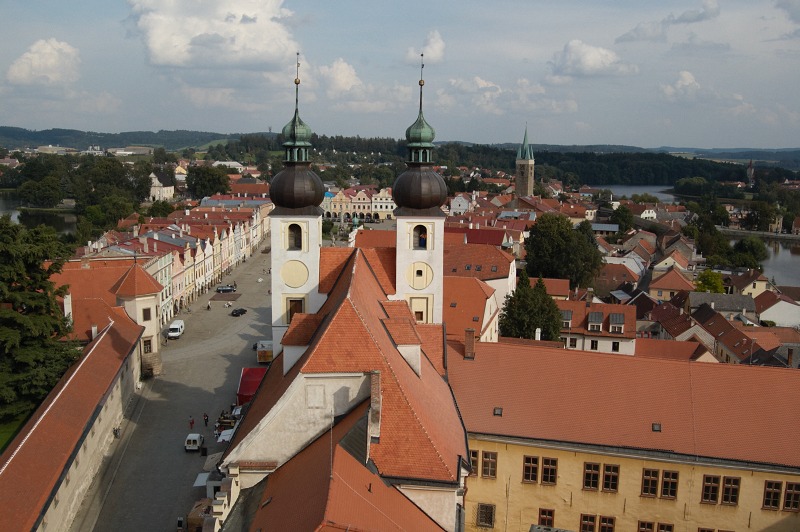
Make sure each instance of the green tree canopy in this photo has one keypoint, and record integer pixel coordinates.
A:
(710, 281)
(202, 181)
(529, 308)
(623, 217)
(556, 250)
(33, 352)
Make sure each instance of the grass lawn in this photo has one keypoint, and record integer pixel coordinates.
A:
(9, 430)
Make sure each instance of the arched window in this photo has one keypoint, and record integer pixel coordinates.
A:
(295, 237)
(420, 237)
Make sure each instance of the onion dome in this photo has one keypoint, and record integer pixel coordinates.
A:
(296, 186)
(419, 188)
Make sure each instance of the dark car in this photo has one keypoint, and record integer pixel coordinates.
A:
(239, 312)
(225, 288)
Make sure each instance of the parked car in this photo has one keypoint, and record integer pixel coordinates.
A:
(239, 312)
(193, 442)
(176, 329)
(225, 288)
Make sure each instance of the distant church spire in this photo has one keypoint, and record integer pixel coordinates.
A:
(525, 164)
(524, 153)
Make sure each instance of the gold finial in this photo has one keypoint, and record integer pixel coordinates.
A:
(297, 76)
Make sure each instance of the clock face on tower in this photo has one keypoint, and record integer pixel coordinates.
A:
(294, 274)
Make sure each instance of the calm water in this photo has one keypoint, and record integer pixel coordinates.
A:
(657, 190)
(63, 223)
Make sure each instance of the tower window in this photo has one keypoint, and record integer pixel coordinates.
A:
(420, 237)
(295, 237)
(294, 306)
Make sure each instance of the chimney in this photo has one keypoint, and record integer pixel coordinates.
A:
(94, 332)
(374, 421)
(469, 344)
(789, 357)
(712, 305)
(538, 334)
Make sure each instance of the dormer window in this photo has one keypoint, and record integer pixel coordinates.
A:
(420, 237)
(596, 321)
(616, 322)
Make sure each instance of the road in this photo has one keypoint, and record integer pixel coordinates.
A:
(147, 482)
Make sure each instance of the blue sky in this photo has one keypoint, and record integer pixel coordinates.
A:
(700, 73)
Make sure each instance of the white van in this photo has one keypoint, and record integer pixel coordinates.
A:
(175, 329)
(194, 442)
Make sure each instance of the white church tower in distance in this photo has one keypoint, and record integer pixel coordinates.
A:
(296, 227)
(419, 192)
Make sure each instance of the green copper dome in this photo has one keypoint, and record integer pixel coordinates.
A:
(296, 132)
(420, 134)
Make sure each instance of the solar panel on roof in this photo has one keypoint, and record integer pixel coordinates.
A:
(617, 318)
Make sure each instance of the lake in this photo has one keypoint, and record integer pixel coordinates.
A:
(62, 222)
(656, 190)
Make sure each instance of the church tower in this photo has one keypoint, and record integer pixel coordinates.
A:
(525, 162)
(419, 192)
(296, 229)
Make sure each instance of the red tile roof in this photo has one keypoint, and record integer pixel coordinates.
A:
(580, 318)
(555, 287)
(33, 463)
(136, 282)
(419, 420)
(672, 280)
(368, 238)
(311, 492)
(668, 349)
(482, 261)
(465, 300)
(689, 425)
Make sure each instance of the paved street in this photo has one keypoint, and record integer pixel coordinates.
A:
(148, 482)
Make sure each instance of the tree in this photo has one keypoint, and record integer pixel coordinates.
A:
(529, 308)
(160, 209)
(33, 351)
(202, 181)
(555, 249)
(623, 217)
(710, 281)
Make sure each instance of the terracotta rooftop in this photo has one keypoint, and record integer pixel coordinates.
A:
(482, 261)
(668, 349)
(418, 416)
(689, 427)
(465, 300)
(32, 465)
(311, 492)
(672, 280)
(136, 282)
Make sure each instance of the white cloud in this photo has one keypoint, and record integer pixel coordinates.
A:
(581, 59)
(433, 49)
(685, 87)
(657, 30)
(47, 62)
(340, 78)
(199, 33)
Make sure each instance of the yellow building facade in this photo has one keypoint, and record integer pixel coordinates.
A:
(517, 483)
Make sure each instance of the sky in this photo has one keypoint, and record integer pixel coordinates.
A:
(689, 73)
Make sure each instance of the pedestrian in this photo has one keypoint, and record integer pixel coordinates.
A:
(205, 418)
(209, 306)
(234, 285)
(191, 422)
